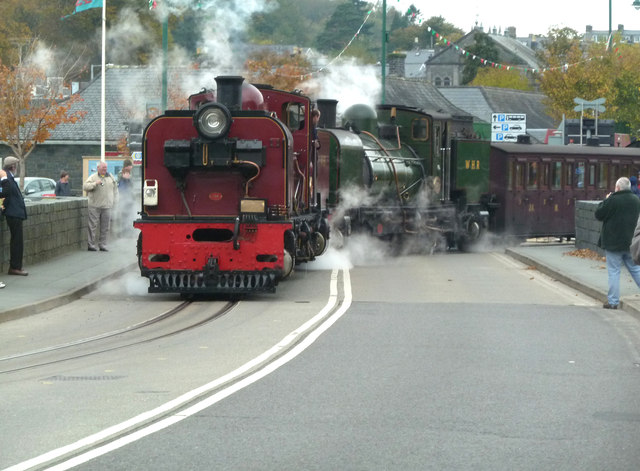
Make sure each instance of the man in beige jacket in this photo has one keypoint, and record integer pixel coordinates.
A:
(102, 191)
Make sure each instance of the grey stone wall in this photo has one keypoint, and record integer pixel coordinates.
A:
(587, 226)
(53, 227)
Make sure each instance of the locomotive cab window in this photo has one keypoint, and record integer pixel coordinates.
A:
(419, 129)
(294, 114)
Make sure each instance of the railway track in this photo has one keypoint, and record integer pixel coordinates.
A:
(185, 316)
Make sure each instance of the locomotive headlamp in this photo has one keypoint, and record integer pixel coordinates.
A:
(150, 193)
(212, 120)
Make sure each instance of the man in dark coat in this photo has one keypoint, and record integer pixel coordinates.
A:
(619, 214)
(15, 212)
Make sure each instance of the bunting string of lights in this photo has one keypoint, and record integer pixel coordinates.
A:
(444, 40)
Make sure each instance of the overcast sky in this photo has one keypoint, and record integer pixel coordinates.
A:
(528, 16)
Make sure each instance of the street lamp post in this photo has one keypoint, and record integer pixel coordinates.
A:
(635, 4)
(609, 39)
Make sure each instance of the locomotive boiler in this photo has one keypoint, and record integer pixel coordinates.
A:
(229, 203)
(391, 176)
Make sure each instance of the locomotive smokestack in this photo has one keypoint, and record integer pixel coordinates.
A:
(230, 92)
(327, 110)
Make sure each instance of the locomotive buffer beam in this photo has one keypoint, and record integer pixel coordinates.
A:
(211, 280)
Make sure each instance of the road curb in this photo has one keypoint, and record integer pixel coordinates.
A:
(61, 299)
(584, 288)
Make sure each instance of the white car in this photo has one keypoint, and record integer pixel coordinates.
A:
(38, 187)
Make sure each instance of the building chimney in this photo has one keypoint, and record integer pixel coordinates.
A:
(395, 61)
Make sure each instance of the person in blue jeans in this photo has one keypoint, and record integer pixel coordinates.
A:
(619, 213)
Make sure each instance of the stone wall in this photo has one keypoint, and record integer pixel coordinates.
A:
(53, 227)
(587, 226)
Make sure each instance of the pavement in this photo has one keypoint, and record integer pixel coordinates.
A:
(58, 281)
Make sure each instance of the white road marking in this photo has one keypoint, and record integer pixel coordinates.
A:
(306, 328)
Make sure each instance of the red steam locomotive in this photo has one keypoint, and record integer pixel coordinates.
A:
(229, 201)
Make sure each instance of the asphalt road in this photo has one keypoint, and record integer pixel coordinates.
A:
(452, 361)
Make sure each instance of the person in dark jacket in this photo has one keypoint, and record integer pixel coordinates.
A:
(63, 187)
(619, 214)
(15, 212)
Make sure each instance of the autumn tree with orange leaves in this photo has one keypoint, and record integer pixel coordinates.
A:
(26, 120)
(282, 71)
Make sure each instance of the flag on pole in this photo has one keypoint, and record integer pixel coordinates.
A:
(153, 4)
(82, 5)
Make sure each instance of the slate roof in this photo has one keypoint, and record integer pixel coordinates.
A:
(421, 94)
(506, 45)
(482, 101)
(514, 46)
(128, 91)
(414, 62)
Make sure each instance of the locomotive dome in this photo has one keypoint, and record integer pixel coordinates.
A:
(252, 99)
(363, 117)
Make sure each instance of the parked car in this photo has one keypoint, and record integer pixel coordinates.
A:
(38, 187)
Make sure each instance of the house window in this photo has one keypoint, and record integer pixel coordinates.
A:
(438, 82)
(447, 82)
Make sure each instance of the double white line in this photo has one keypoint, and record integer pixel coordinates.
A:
(272, 359)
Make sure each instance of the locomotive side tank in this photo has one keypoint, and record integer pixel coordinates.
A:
(225, 202)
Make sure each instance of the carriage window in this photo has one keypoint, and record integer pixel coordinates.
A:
(519, 175)
(580, 175)
(510, 175)
(419, 129)
(569, 174)
(625, 171)
(592, 175)
(532, 175)
(556, 175)
(613, 172)
(603, 181)
(545, 175)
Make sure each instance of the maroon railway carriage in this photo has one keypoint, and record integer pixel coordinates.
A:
(228, 194)
(537, 185)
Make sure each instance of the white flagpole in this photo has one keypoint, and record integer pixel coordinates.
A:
(104, 82)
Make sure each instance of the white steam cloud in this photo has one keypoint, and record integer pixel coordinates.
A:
(348, 82)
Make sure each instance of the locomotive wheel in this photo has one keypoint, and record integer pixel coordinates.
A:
(337, 240)
(287, 266)
(470, 237)
(318, 244)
